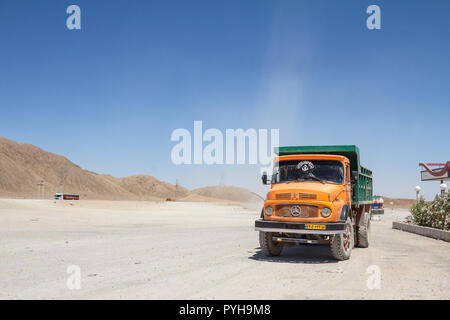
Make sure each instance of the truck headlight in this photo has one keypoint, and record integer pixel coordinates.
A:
(325, 212)
(269, 211)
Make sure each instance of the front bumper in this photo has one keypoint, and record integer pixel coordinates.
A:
(378, 211)
(300, 227)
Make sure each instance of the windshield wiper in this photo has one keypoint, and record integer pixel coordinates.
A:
(290, 181)
(315, 178)
(303, 179)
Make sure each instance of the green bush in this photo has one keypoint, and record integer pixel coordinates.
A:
(434, 214)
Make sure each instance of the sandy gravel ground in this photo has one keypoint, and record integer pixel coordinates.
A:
(145, 250)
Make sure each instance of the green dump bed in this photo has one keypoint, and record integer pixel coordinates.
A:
(362, 190)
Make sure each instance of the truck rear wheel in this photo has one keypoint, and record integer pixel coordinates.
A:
(268, 246)
(341, 245)
(363, 232)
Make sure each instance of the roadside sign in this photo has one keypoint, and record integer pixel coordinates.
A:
(426, 176)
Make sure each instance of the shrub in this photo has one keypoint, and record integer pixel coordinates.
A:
(434, 214)
(418, 212)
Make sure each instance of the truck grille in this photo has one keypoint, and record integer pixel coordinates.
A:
(307, 196)
(283, 196)
(287, 210)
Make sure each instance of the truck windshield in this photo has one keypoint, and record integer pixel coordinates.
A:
(325, 171)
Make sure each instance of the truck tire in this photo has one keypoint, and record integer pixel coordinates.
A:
(270, 248)
(341, 245)
(363, 233)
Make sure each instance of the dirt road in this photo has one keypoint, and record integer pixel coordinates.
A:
(150, 250)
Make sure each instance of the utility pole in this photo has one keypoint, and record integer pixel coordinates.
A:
(176, 190)
(62, 175)
(40, 188)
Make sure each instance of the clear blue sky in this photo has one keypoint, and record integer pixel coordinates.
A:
(109, 95)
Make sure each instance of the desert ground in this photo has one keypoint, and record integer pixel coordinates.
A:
(195, 250)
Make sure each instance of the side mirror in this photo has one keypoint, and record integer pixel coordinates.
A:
(354, 177)
(264, 178)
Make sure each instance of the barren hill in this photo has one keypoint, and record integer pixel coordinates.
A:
(398, 203)
(24, 166)
(223, 193)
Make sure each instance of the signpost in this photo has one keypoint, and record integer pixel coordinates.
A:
(441, 173)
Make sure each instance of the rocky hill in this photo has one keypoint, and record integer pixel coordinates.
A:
(23, 167)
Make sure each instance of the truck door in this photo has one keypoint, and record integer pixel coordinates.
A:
(348, 184)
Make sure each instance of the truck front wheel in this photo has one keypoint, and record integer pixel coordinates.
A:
(268, 246)
(341, 244)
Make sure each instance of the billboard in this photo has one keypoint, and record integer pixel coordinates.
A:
(426, 176)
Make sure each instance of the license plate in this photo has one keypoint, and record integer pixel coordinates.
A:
(315, 227)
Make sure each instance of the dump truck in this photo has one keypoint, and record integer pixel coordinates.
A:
(378, 205)
(318, 195)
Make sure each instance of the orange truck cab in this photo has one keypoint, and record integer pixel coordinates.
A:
(318, 195)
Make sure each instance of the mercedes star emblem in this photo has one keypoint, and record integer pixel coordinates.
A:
(296, 211)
